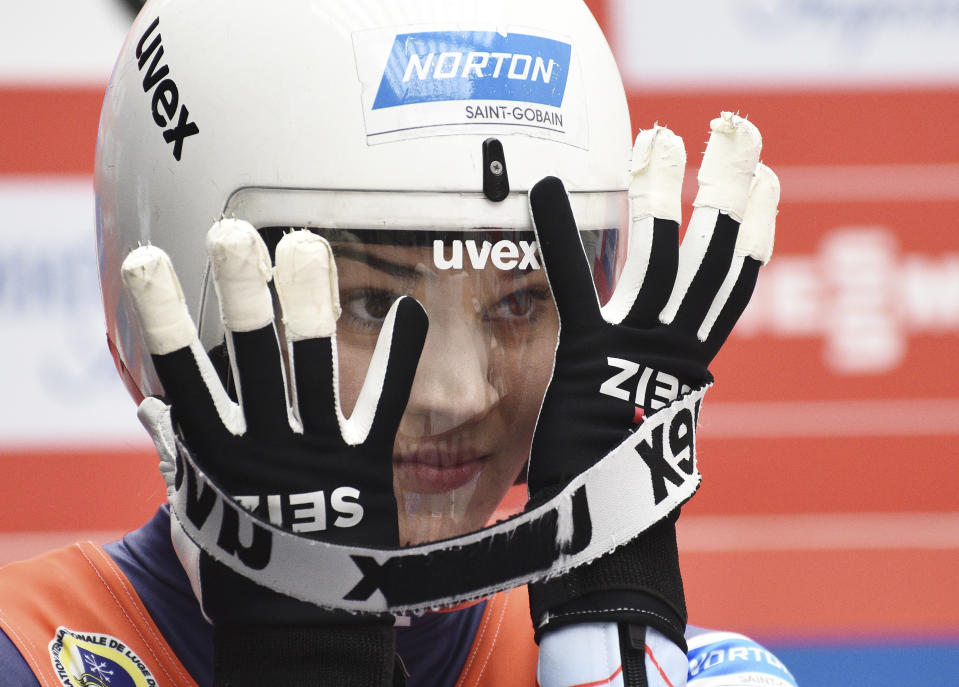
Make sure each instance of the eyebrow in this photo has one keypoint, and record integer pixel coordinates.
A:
(392, 268)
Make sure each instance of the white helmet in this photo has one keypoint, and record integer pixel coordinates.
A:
(351, 117)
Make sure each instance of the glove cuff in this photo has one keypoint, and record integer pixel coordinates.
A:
(343, 655)
(639, 583)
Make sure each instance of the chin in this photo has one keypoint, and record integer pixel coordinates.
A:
(426, 516)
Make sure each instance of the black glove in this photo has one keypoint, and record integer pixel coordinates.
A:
(288, 455)
(652, 343)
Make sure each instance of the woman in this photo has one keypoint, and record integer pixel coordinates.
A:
(408, 136)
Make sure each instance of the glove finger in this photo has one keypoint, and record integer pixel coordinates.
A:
(260, 381)
(754, 247)
(241, 272)
(655, 190)
(726, 174)
(725, 178)
(315, 395)
(190, 383)
(386, 389)
(305, 279)
(713, 235)
(660, 273)
(564, 258)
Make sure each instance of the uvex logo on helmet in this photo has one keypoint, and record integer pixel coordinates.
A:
(504, 254)
(166, 95)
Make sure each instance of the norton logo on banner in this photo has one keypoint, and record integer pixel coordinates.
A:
(488, 81)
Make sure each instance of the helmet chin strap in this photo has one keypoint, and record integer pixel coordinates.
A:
(603, 508)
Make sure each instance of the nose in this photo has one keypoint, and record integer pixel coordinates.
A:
(456, 380)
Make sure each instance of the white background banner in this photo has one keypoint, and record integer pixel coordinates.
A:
(786, 43)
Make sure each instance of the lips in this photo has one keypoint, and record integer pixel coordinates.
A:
(431, 469)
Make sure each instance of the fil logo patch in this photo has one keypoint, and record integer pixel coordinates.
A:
(487, 80)
(89, 659)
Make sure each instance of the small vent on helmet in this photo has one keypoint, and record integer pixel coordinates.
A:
(495, 179)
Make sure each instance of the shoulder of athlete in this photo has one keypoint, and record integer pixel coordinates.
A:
(729, 659)
(13, 667)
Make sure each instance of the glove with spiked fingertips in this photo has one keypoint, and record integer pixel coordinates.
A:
(282, 448)
(673, 308)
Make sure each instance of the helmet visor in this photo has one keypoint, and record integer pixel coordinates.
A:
(465, 436)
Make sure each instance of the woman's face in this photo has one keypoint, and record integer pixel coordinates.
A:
(466, 432)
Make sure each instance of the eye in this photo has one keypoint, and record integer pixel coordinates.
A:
(522, 304)
(368, 307)
(519, 303)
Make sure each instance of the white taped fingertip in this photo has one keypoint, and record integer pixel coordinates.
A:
(241, 271)
(305, 278)
(158, 299)
(733, 123)
(757, 233)
(656, 175)
(728, 164)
